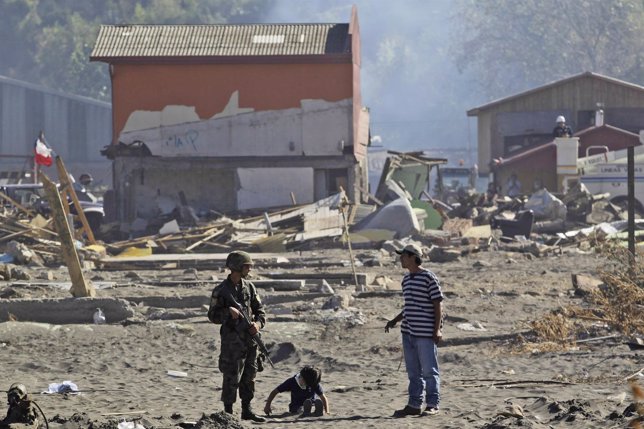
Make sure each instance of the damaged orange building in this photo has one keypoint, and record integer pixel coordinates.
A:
(234, 117)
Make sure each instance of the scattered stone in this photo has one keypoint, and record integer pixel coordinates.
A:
(585, 285)
(47, 275)
(325, 287)
(389, 247)
(133, 275)
(382, 281)
(337, 301)
(373, 262)
(481, 264)
(22, 254)
(6, 271)
(20, 274)
(442, 254)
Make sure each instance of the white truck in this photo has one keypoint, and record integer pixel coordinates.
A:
(607, 172)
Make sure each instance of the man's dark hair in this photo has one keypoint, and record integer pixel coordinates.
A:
(417, 259)
(311, 376)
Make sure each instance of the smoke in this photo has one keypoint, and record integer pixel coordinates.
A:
(415, 94)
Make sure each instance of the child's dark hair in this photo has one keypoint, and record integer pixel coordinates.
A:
(311, 376)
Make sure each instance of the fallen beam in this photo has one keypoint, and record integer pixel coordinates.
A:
(80, 286)
(280, 285)
(329, 277)
(208, 261)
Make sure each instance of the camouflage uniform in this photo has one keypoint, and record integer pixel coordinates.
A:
(23, 415)
(238, 356)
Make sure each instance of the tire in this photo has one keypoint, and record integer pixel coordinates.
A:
(622, 203)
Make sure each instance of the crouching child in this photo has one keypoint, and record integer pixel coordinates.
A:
(307, 394)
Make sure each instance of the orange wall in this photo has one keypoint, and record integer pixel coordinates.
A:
(208, 86)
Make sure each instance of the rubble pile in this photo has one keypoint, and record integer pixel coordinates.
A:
(401, 210)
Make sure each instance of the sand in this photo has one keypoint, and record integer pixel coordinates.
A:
(122, 369)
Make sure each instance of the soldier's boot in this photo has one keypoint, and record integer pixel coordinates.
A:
(248, 414)
(228, 408)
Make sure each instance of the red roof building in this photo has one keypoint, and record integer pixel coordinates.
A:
(241, 116)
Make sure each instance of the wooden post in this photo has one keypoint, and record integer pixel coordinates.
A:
(269, 227)
(344, 204)
(63, 176)
(631, 206)
(80, 287)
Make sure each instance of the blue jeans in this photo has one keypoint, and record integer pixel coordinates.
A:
(421, 361)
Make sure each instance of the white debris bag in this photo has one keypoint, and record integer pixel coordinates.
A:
(546, 206)
(130, 425)
(64, 387)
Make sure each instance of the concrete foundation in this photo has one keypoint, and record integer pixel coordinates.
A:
(64, 311)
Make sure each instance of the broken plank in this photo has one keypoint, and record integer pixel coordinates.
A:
(16, 204)
(304, 236)
(207, 238)
(80, 287)
(322, 219)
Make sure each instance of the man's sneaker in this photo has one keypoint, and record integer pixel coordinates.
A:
(308, 404)
(431, 410)
(407, 411)
(247, 414)
(228, 408)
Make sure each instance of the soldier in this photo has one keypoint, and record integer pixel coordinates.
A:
(239, 358)
(22, 413)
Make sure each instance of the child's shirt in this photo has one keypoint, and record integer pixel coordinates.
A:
(300, 392)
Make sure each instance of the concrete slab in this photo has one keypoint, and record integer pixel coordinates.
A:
(65, 310)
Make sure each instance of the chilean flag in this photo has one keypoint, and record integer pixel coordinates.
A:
(42, 151)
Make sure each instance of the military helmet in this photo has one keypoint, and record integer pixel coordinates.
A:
(18, 390)
(237, 259)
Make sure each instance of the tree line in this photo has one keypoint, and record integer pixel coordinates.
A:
(507, 45)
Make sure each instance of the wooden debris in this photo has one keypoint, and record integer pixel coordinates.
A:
(66, 183)
(80, 287)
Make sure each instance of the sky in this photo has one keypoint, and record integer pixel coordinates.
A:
(416, 96)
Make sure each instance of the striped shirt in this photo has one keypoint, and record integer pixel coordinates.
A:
(419, 290)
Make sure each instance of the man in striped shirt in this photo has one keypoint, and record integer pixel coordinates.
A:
(421, 332)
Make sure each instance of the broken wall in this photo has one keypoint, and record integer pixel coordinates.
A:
(272, 187)
(144, 186)
(317, 128)
(144, 183)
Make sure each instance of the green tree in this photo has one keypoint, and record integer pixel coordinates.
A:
(49, 41)
(513, 45)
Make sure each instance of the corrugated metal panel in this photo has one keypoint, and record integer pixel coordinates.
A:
(121, 41)
(77, 128)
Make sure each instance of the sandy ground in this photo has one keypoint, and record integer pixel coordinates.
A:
(122, 368)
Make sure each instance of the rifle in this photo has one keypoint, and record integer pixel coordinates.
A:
(257, 338)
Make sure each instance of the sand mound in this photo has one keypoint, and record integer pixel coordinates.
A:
(284, 351)
(219, 420)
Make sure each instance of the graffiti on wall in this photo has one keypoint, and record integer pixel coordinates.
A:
(187, 139)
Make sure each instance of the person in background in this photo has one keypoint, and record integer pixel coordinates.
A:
(513, 186)
(561, 129)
